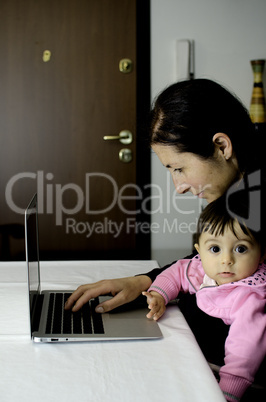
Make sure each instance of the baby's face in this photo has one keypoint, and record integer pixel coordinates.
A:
(227, 258)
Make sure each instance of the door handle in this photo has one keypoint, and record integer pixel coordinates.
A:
(125, 137)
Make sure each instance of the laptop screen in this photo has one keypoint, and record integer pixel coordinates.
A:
(32, 251)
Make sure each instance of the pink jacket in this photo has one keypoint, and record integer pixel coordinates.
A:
(239, 304)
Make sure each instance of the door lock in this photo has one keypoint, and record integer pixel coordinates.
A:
(125, 66)
(46, 56)
(125, 155)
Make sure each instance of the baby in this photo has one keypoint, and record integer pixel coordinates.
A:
(229, 278)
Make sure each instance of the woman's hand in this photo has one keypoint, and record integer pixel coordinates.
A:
(156, 304)
(123, 290)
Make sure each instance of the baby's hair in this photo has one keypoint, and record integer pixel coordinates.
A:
(216, 218)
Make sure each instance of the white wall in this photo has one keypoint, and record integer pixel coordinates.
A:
(227, 34)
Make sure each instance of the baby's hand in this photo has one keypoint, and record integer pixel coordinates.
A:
(156, 304)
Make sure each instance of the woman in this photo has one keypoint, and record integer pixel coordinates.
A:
(204, 136)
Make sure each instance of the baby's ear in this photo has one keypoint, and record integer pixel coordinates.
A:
(196, 247)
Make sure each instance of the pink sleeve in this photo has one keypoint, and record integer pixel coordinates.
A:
(171, 281)
(245, 346)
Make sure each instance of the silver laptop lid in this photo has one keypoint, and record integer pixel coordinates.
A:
(32, 254)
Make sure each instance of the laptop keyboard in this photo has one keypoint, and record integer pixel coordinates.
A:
(61, 321)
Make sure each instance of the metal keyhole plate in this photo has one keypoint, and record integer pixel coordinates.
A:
(125, 155)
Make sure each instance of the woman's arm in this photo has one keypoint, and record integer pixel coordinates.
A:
(123, 290)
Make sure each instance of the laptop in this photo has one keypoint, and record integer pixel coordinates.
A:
(49, 322)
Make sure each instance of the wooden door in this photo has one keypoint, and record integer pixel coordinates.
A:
(65, 86)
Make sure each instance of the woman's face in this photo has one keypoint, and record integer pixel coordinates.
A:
(207, 179)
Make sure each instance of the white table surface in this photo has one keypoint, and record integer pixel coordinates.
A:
(170, 369)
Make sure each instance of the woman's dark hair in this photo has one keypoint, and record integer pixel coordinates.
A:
(189, 113)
